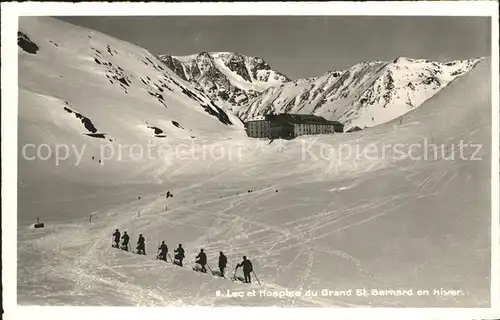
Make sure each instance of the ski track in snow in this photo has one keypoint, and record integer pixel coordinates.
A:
(307, 271)
(304, 231)
(81, 270)
(308, 225)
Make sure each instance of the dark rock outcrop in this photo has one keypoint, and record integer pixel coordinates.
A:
(26, 43)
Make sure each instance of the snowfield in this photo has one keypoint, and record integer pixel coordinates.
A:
(315, 219)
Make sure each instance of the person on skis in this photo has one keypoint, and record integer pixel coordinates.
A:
(163, 251)
(222, 263)
(125, 241)
(247, 268)
(202, 260)
(116, 236)
(141, 245)
(179, 254)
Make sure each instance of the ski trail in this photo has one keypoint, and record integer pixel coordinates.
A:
(432, 180)
(344, 255)
(280, 240)
(297, 256)
(362, 221)
(330, 219)
(346, 226)
(239, 220)
(93, 258)
(308, 269)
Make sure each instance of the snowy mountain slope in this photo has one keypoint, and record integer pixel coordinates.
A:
(226, 77)
(365, 95)
(336, 223)
(85, 89)
(112, 82)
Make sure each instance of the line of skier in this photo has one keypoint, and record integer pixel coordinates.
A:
(141, 242)
(179, 255)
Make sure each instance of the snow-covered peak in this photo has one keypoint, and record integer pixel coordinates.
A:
(227, 77)
(365, 95)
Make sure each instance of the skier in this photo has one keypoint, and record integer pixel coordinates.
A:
(116, 235)
(202, 260)
(180, 254)
(126, 239)
(141, 245)
(164, 251)
(222, 263)
(247, 268)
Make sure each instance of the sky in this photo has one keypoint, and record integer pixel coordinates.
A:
(304, 46)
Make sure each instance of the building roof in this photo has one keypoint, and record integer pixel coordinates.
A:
(299, 118)
(354, 129)
(257, 118)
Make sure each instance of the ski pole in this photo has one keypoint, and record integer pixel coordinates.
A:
(210, 268)
(256, 277)
(171, 260)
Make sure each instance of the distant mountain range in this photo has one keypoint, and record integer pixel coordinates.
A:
(226, 77)
(365, 95)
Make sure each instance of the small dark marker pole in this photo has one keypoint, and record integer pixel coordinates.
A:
(90, 218)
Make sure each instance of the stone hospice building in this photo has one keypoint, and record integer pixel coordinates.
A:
(289, 126)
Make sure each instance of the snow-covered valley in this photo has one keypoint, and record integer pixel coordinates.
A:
(315, 219)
